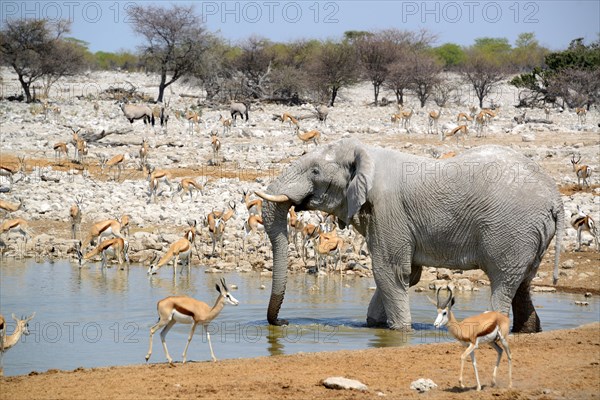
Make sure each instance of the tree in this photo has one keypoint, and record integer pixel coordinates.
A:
(174, 40)
(333, 68)
(36, 50)
(376, 53)
(399, 79)
(483, 73)
(527, 52)
(424, 75)
(571, 75)
(255, 64)
(452, 55)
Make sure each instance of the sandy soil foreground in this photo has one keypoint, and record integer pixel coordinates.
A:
(549, 365)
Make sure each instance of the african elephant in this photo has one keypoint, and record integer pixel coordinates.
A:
(489, 208)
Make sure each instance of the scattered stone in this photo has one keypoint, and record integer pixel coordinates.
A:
(568, 264)
(528, 137)
(339, 383)
(423, 385)
(444, 273)
(437, 284)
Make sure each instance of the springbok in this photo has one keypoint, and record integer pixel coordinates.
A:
(115, 247)
(17, 225)
(75, 214)
(216, 221)
(253, 206)
(60, 148)
(583, 222)
(117, 161)
(433, 119)
(581, 115)
(583, 172)
(186, 310)
(253, 225)
(490, 327)
(216, 148)
(21, 328)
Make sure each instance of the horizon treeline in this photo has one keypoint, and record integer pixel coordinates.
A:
(176, 46)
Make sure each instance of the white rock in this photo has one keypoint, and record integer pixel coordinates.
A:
(338, 382)
(423, 385)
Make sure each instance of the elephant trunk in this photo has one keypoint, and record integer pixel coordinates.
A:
(275, 223)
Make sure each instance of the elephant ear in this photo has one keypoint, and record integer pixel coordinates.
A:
(362, 181)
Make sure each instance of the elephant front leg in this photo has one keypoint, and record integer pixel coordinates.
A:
(376, 316)
(390, 303)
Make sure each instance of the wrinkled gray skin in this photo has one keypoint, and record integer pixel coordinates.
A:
(489, 208)
(238, 109)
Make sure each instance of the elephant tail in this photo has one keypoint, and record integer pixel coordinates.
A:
(559, 216)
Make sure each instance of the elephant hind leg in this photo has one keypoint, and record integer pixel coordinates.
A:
(525, 318)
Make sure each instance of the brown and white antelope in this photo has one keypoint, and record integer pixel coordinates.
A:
(463, 117)
(583, 172)
(309, 136)
(433, 119)
(115, 247)
(329, 244)
(490, 327)
(177, 250)
(10, 207)
(459, 131)
(253, 226)
(186, 310)
(193, 119)
(253, 206)
(216, 221)
(81, 149)
(9, 171)
(215, 143)
(187, 185)
(226, 122)
(144, 150)
(102, 229)
(480, 122)
(19, 226)
(293, 122)
(75, 215)
(405, 118)
(60, 149)
(582, 222)
(21, 328)
(295, 227)
(581, 115)
(155, 177)
(547, 113)
(181, 248)
(117, 161)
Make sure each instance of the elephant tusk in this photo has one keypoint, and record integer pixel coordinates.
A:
(279, 198)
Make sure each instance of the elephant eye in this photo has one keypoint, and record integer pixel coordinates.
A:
(315, 171)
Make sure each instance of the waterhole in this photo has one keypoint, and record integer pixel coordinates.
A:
(92, 317)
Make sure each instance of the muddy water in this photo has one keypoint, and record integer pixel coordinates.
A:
(89, 317)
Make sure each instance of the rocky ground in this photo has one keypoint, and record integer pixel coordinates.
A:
(252, 154)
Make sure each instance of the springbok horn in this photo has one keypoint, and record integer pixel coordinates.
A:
(280, 198)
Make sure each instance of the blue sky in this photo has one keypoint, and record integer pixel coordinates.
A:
(104, 25)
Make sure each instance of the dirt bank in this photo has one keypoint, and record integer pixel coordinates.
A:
(549, 365)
